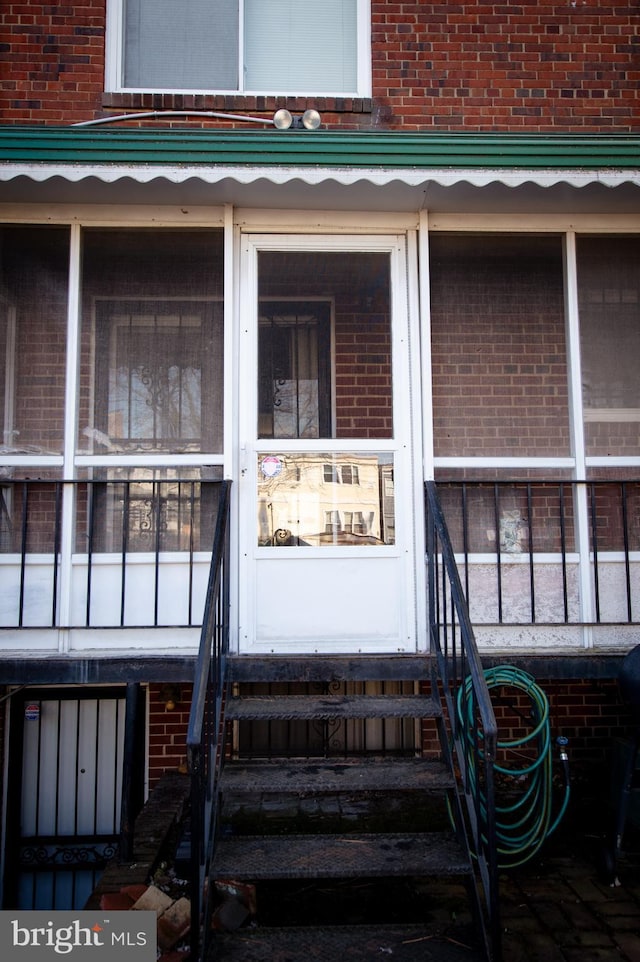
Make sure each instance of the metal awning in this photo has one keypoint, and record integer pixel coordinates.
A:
(321, 169)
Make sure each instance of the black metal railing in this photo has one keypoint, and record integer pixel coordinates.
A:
(105, 554)
(458, 675)
(205, 741)
(547, 553)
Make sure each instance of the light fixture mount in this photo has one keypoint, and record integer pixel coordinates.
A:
(283, 119)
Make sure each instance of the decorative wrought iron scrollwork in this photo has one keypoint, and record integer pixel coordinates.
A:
(68, 856)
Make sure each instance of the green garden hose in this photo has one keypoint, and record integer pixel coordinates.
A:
(523, 770)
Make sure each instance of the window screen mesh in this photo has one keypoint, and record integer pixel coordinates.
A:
(152, 352)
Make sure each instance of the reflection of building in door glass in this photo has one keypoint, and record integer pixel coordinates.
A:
(324, 499)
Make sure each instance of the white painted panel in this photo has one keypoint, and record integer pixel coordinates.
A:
(71, 729)
(110, 726)
(612, 583)
(47, 785)
(30, 776)
(339, 606)
(516, 592)
(86, 774)
(139, 592)
(72, 767)
(38, 593)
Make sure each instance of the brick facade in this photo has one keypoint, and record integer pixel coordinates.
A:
(543, 66)
(499, 355)
(167, 732)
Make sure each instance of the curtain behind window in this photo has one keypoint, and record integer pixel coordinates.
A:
(181, 44)
(301, 45)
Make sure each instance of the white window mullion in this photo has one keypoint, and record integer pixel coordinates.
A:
(230, 287)
(114, 45)
(241, 57)
(576, 415)
(425, 340)
(576, 412)
(67, 532)
(364, 48)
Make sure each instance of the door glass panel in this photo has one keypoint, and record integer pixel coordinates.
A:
(295, 375)
(319, 499)
(324, 347)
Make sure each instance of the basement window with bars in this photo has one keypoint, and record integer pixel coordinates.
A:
(259, 46)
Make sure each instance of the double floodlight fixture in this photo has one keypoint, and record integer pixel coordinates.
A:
(283, 120)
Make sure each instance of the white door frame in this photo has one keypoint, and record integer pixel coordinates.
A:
(397, 569)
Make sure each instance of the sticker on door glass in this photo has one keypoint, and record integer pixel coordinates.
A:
(271, 466)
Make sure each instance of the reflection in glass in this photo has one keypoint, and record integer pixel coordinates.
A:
(325, 499)
(147, 510)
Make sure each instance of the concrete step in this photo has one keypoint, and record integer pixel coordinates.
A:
(257, 857)
(358, 943)
(333, 776)
(325, 707)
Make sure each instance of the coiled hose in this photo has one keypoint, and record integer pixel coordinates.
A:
(522, 824)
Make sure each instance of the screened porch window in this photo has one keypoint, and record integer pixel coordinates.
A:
(284, 46)
(498, 346)
(609, 302)
(34, 286)
(149, 386)
(152, 342)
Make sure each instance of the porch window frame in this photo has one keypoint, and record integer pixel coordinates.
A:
(105, 375)
(577, 464)
(72, 466)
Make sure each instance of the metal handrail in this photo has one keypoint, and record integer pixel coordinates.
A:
(204, 737)
(459, 674)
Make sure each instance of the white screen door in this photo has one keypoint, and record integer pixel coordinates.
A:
(327, 493)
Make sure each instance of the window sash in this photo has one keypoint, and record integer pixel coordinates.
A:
(266, 46)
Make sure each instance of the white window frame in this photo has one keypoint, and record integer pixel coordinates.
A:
(114, 59)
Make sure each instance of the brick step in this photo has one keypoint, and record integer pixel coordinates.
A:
(325, 707)
(258, 857)
(358, 943)
(331, 776)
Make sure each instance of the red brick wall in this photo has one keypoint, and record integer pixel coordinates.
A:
(167, 732)
(541, 65)
(589, 712)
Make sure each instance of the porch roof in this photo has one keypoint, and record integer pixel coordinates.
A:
(416, 170)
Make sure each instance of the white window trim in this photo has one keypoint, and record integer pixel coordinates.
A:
(114, 64)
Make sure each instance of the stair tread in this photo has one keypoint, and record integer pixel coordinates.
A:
(361, 943)
(291, 707)
(339, 856)
(318, 668)
(327, 775)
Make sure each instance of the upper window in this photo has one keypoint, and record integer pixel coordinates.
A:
(314, 47)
